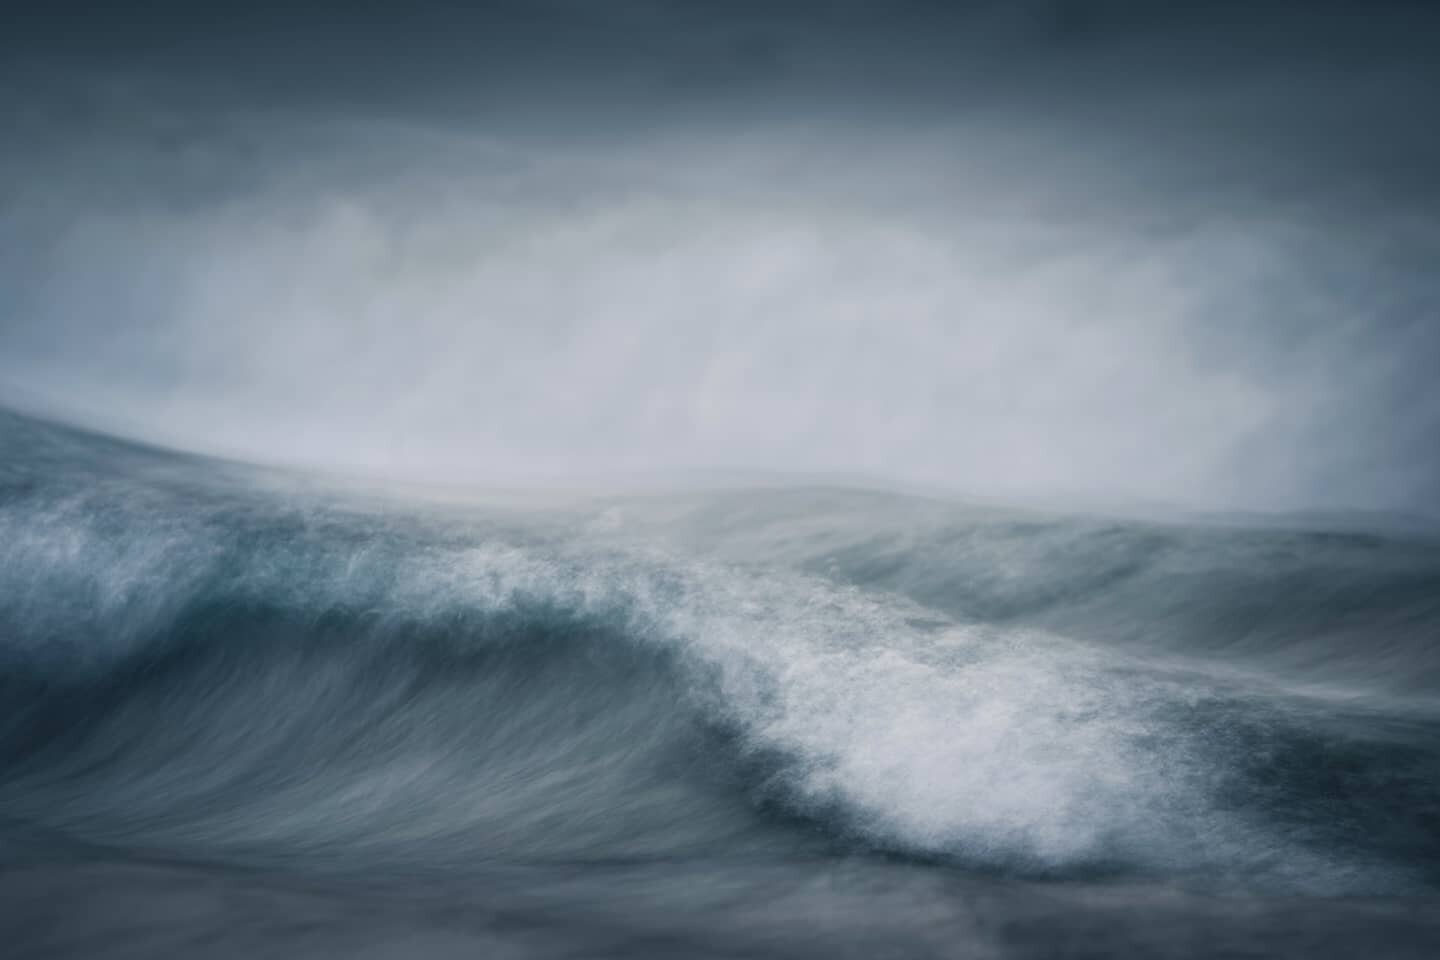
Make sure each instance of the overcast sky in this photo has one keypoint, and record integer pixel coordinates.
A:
(1186, 253)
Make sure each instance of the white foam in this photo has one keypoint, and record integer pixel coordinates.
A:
(1015, 749)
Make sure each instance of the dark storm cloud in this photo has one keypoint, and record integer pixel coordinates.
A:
(1118, 249)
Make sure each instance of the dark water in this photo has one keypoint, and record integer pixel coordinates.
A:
(245, 714)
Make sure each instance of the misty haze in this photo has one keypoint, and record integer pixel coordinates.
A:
(667, 479)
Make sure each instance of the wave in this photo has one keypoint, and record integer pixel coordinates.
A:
(1361, 605)
(214, 665)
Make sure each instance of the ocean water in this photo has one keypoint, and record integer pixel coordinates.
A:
(252, 713)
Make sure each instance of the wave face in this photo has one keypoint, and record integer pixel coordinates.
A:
(653, 720)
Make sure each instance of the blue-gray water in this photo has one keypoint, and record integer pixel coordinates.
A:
(253, 714)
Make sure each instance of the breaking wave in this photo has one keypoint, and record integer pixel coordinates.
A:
(209, 663)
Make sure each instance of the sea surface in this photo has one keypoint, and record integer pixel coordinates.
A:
(249, 712)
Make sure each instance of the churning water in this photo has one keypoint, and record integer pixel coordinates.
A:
(246, 714)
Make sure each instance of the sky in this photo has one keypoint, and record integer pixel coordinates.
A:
(1166, 253)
